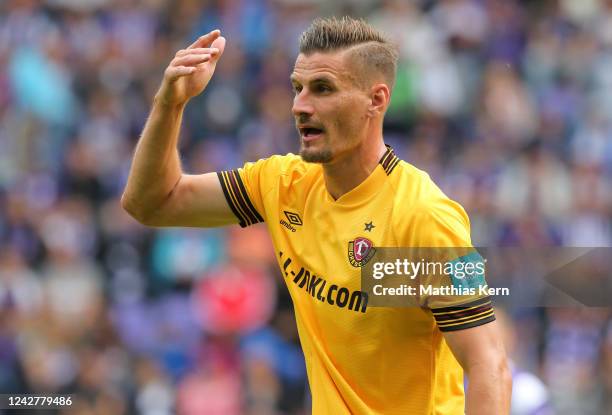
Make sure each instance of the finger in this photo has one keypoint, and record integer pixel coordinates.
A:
(190, 60)
(175, 72)
(184, 52)
(219, 44)
(205, 40)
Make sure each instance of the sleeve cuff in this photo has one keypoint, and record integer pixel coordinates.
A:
(473, 314)
(238, 198)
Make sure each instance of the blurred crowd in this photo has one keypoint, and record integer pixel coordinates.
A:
(507, 104)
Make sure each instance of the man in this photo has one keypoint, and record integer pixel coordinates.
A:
(345, 189)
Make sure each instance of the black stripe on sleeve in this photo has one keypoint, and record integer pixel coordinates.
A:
(245, 197)
(237, 198)
(461, 307)
(464, 316)
(469, 325)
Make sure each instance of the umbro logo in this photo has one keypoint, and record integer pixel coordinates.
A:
(293, 218)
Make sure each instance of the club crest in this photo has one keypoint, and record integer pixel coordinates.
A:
(360, 251)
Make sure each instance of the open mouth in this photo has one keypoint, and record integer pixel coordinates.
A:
(310, 133)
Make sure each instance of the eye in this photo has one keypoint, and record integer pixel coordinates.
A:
(296, 89)
(323, 88)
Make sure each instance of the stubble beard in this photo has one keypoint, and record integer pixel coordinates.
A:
(315, 156)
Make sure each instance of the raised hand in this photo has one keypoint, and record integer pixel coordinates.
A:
(191, 69)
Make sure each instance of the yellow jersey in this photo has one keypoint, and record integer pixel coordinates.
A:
(360, 359)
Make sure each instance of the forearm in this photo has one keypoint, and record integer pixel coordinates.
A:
(156, 167)
(489, 389)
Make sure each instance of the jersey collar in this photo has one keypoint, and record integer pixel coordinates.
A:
(389, 160)
(371, 185)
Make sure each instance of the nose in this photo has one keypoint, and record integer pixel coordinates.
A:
(302, 106)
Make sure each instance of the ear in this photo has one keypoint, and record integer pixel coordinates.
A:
(380, 97)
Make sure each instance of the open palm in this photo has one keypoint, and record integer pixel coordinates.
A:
(191, 69)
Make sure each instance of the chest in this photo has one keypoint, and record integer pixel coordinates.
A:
(331, 240)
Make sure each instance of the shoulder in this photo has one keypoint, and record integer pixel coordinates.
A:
(281, 172)
(281, 164)
(415, 190)
(412, 181)
(419, 202)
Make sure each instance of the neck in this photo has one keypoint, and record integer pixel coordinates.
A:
(352, 168)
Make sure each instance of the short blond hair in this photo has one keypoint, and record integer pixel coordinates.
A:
(373, 52)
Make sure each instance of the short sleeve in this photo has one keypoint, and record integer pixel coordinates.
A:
(456, 290)
(244, 189)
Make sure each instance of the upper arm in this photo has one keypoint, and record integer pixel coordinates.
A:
(221, 198)
(217, 199)
(481, 345)
(195, 201)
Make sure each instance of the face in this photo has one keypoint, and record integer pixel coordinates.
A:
(329, 107)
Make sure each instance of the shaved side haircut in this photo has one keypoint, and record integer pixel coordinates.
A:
(368, 49)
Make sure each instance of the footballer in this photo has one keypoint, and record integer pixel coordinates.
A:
(326, 209)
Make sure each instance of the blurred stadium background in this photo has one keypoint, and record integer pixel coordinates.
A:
(507, 104)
